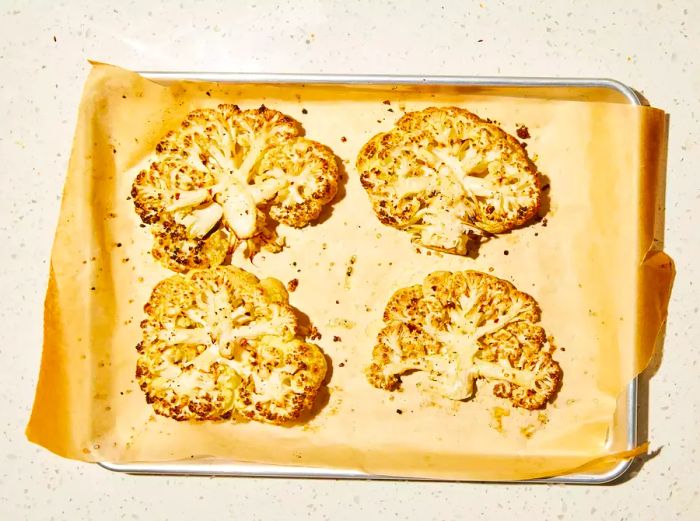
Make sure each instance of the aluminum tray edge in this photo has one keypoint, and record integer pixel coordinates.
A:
(255, 470)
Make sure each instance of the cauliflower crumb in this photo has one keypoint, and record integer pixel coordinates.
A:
(446, 176)
(225, 178)
(292, 285)
(221, 344)
(462, 327)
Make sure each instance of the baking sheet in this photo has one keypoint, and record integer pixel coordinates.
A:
(590, 264)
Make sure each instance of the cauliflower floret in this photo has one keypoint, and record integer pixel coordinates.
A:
(234, 172)
(220, 344)
(461, 327)
(446, 175)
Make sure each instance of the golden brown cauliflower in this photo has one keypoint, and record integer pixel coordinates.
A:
(463, 326)
(224, 177)
(446, 175)
(220, 344)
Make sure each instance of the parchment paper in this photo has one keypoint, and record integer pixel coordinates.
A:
(591, 263)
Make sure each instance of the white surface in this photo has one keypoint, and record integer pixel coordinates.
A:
(651, 45)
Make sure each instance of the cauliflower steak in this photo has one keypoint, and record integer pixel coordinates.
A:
(461, 327)
(220, 344)
(445, 175)
(226, 176)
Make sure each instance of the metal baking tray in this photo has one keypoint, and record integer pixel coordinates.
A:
(573, 89)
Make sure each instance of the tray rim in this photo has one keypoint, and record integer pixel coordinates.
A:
(179, 468)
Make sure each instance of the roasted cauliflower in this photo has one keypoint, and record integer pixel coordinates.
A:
(228, 176)
(445, 175)
(220, 344)
(465, 326)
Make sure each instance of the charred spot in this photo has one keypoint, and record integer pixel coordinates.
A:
(523, 132)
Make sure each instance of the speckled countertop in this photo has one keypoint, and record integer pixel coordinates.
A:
(651, 45)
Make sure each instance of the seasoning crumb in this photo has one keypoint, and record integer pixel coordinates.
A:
(304, 111)
(343, 139)
(93, 288)
(336, 338)
(314, 334)
(337, 301)
(341, 364)
(544, 222)
(523, 132)
(505, 252)
(351, 263)
(390, 110)
(386, 102)
(292, 285)
(208, 93)
(527, 431)
(399, 411)
(497, 413)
